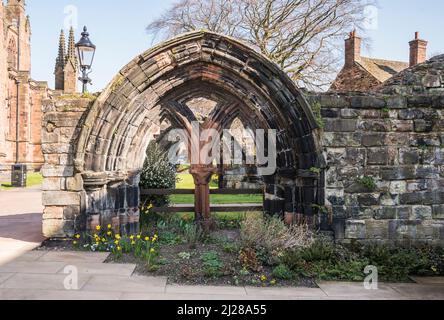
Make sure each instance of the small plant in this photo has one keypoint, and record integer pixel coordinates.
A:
(193, 233)
(368, 182)
(315, 170)
(230, 248)
(184, 255)
(249, 260)
(282, 272)
(211, 263)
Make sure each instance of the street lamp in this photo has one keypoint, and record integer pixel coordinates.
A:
(86, 51)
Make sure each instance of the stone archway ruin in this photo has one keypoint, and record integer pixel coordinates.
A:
(106, 142)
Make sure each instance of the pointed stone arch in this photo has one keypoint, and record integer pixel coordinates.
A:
(154, 88)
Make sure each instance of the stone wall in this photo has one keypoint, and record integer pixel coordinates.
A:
(77, 201)
(385, 176)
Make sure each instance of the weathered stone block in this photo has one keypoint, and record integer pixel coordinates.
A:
(71, 212)
(74, 183)
(386, 213)
(438, 212)
(49, 171)
(398, 187)
(373, 139)
(53, 228)
(349, 114)
(380, 156)
(340, 125)
(377, 229)
(355, 229)
(51, 184)
(368, 200)
(53, 213)
(422, 213)
(63, 198)
(409, 156)
(398, 173)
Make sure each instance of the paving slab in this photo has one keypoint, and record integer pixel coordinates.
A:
(20, 223)
(356, 291)
(420, 291)
(104, 268)
(195, 297)
(74, 256)
(30, 256)
(134, 284)
(40, 281)
(429, 280)
(26, 294)
(5, 276)
(206, 290)
(286, 292)
(32, 267)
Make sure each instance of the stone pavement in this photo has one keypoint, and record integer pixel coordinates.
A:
(27, 274)
(20, 222)
(41, 275)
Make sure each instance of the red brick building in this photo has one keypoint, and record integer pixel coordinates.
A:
(363, 74)
(20, 95)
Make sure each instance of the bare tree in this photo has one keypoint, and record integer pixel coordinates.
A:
(300, 36)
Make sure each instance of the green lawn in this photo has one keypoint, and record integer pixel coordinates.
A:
(33, 179)
(186, 182)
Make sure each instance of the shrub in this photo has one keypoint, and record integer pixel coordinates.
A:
(157, 173)
(271, 234)
(282, 272)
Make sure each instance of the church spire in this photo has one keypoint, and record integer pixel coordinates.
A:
(60, 61)
(71, 54)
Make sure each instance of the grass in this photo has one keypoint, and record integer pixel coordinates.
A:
(186, 182)
(33, 179)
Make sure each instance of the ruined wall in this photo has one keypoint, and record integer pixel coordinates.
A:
(67, 192)
(385, 176)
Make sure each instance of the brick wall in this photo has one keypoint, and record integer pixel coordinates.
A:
(397, 143)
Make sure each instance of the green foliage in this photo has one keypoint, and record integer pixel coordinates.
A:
(317, 108)
(368, 182)
(212, 266)
(157, 173)
(315, 170)
(328, 261)
(282, 272)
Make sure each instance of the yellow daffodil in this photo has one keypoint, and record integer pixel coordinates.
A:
(118, 237)
(273, 282)
(138, 236)
(119, 249)
(110, 226)
(103, 240)
(152, 250)
(77, 236)
(98, 228)
(263, 278)
(133, 243)
(116, 242)
(109, 233)
(132, 238)
(147, 238)
(74, 243)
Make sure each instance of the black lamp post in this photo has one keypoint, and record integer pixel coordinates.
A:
(86, 51)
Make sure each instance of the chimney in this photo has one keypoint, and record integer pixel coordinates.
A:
(418, 50)
(352, 49)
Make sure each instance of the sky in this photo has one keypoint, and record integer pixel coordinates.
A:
(117, 28)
